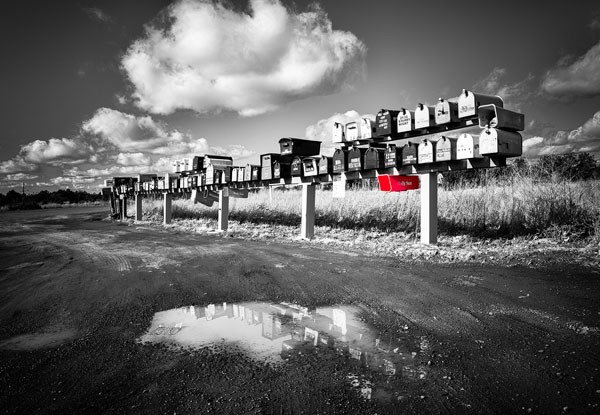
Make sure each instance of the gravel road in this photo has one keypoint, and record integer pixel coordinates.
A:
(99, 316)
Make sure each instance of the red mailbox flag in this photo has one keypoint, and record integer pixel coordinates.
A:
(388, 183)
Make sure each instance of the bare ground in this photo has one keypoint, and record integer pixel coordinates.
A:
(514, 335)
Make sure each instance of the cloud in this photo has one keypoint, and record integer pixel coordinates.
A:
(571, 79)
(206, 57)
(97, 14)
(585, 138)
(56, 151)
(514, 95)
(16, 165)
(322, 130)
(19, 177)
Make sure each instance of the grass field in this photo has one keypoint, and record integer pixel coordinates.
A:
(518, 206)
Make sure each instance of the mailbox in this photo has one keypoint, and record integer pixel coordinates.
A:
(197, 163)
(296, 166)
(214, 174)
(352, 132)
(281, 170)
(392, 156)
(340, 160)
(217, 161)
(195, 181)
(386, 122)
(241, 174)
(356, 158)
(176, 166)
(467, 146)
(491, 116)
(424, 116)
(446, 111)
(366, 128)
(310, 165)
(202, 179)
(325, 165)
(500, 142)
(409, 153)
(234, 173)
(267, 162)
(469, 102)
(339, 136)
(299, 147)
(426, 152)
(445, 149)
(161, 184)
(251, 173)
(374, 158)
(405, 121)
(227, 173)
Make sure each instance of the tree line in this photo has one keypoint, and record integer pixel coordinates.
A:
(16, 200)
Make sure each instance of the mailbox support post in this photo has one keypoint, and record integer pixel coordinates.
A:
(429, 208)
(223, 209)
(307, 230)
(138, 207)
(124, 208)
(167, 208)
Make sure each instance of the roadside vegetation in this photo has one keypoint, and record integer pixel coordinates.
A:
(14, 200)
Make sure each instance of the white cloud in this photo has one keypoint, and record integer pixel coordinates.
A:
(580, 78)
(56, 151)
(514, 94)
(16, 165)
(209, 57)
(19, 177)
(322, 130)
(98, 14)
(133, 159)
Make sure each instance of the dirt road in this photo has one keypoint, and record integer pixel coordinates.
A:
(79, 293)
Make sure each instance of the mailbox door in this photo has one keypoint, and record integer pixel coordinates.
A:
(426, 152)
(296, 167)
(386, 123)
(469, 102)
(352, 131)
(340, 161)
(445, 149)
(424, 116)
(446, 111)
(310, 166)
(409, 153)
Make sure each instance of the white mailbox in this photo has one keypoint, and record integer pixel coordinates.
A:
(491, 116)
(426, 152)
(241, 174)
(500, 143)
(445, 149)
(338, 133)
(406, 120)
(310, 166)
(469, 102)
(352, 131)
(176, 166)
(446, 111)
(467, 147)
(424, 116)
(366, 128)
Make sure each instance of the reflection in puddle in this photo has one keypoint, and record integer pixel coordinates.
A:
(273, 332)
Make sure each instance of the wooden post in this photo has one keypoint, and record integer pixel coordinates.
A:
(167, 208)
(223, 209)
(307, 230)
(124, 208)
(138, 207)
(429, 208)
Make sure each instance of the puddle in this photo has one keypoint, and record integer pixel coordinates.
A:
(273, 332)
(37, 341)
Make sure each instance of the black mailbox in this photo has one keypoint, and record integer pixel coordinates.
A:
(392, 156)
(374, 158)
(281, 170)
(386, 122)
(325, 165)
(296, 166)
(410, 153)
(356, 158)
(340, 161)
(299, 147)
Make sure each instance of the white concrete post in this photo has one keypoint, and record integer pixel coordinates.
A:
(167, 208)
(124, 208)
(307, 226)
(138, 207)
(223, 209)
(429, 208)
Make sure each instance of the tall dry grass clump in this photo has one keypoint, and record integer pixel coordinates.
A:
(519, 204)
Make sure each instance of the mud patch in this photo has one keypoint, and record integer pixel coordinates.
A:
(36, 341)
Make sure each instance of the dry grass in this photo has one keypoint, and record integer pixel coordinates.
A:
(520, 206)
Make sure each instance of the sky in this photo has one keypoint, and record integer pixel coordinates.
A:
(95, 89)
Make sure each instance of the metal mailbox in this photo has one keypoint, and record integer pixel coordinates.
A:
(374, 158)
(469, 102)
(340, 160)
(227, 173)
(409, 153)
(426, 152)
(386, 122)
(250, 172)
(241, 174)
(467, 147)
(445, 149)
(296, 166)
(446, 111)
(217, 161)
(255, 173)
(339, 136)
(281, 170)
(195, 180)
(267, 163)
(352, 132)
(392, 156)
(214, 174)
(356, 158)
(234, 173)
(176, 167)
(366, 128)
(299, 147)
(491, 116)
(196, 163)
(405, 121)
(424, 116)
(310, 165)
(325, 165)
(500, 142)
(161, 185)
